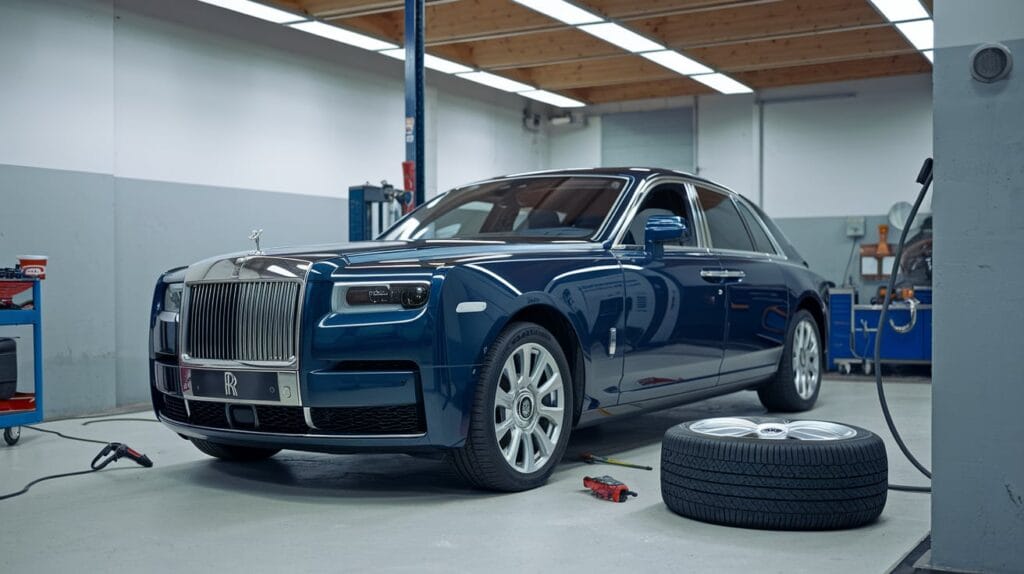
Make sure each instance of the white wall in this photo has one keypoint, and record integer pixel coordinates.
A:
(193, 107)
(56, 84)
(573, 146)
(189, 93)
(476, 138)
(727, 142)
(823, 155)
(843, 156)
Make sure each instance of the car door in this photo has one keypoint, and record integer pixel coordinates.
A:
(675, 317)
(757, 299)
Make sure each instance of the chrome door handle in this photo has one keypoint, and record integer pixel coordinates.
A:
(712, 275)
(722, 274)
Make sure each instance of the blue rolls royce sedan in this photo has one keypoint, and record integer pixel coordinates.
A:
(489, 323)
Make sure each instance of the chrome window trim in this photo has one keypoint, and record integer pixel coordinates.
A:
(619, 233)
(629, 182)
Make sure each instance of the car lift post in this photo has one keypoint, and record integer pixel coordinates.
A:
(414, 104)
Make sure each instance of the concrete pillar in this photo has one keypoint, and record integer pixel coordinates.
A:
(978, 383)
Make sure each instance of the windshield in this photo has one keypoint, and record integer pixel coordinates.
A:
(557, 206)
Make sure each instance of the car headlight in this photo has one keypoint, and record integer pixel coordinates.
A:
(172, 297)
(376, 297)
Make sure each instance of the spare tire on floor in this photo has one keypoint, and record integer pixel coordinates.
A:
(774, 473)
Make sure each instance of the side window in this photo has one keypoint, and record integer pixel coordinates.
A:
(724, 223)
(667, 199)
(761, 240)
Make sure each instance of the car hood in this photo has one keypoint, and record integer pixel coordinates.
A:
(295, 262)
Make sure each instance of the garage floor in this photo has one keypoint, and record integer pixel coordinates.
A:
(315, 513)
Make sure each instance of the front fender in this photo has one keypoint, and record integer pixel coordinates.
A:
(478, 301)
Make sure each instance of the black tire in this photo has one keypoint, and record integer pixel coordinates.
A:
(12, 435)
(774, 484)
(232, 452)
(480, 461)
(780, 394)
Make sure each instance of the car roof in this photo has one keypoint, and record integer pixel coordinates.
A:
(641, 173)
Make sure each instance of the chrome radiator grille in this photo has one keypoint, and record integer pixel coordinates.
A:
(242, 321)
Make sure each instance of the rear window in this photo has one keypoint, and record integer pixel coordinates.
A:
(762, 242)
(724, 223)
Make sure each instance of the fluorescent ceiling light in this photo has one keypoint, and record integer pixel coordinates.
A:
(341, 35)
(930, 55)
(621, 37)
(677, 62)
(257, 10)
(722, 83)
(432, 62)
(496, 82)
(560, 10)
(920, 33)
(901, 10)
(553, 99)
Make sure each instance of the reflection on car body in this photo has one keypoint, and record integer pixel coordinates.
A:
(632, 290)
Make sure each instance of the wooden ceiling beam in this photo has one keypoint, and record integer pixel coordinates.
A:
(836, 71)
(463, 20)
(753, 22)
(603, 72)
(671, 87)
(796, 75)
(802, 50)
(626, 10)
(477, 20)
(536, 49)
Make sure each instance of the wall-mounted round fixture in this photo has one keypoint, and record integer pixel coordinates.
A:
(991, 63)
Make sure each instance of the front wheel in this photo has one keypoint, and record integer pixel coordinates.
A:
(797, 382)
(522, 413)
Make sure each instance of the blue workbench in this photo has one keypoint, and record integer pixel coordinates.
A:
(906, 339)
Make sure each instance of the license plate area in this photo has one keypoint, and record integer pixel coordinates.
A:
(250, 387)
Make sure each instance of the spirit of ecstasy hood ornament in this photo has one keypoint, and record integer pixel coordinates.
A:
(255, 236)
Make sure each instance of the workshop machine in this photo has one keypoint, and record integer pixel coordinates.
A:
(374, 208)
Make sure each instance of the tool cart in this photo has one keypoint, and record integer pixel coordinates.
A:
(907, 339)
(17, 408)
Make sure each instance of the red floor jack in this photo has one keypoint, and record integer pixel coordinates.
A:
(607, 488)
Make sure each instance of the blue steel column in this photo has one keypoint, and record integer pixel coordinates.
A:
(414, 104)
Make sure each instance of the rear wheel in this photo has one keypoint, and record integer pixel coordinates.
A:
(232, 452)
(797, 382)
(522, 412)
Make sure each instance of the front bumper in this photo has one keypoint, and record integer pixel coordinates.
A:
(342, 417)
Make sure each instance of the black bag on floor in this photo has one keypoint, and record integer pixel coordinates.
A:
(8, 368)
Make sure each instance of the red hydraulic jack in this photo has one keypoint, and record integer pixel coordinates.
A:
(607, 488)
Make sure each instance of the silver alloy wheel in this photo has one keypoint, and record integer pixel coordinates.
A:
(772, 429)
(528, 408)
(806, 359)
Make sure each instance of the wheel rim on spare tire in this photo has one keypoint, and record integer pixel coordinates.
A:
(528, 408)
(776, 473)
(806, 355)
(739, 427)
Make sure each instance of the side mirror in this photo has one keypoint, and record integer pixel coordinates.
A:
(661, 229)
